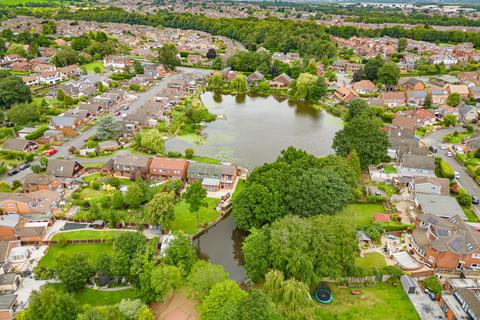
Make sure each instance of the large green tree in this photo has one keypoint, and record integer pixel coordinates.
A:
(195, 197)
(108, 128)
(389, 74)
(365, 135)
(13, 90)
(23, 113)
(204, 275)
(160, 210)
(51, 304)
(223, 293)
(168, 56)
(372, 67)
(165, 278)
(181, 253)
(73, 270)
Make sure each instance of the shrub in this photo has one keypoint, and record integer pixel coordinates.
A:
(433, 285)
(95, 185)
(189, 153)
(375, 199)
(391, 227)
(40, 273)
(36, 134)
(446, 170)
(464, 199)
(174, 154)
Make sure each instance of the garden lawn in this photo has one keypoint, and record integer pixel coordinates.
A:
(240, 186)
(89, 193)
(90, 67)
(99, 298)
(93, 251)
(361, 214)
(383, 302)
(186, 221)
(87, 234)
(371, 262)
(390, 170)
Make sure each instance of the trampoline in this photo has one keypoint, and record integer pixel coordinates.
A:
(323, 295)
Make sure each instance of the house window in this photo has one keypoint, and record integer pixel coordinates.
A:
(476, 256)
(431, 259)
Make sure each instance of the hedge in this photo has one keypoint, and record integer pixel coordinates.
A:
(391, 226)
(446, 170)
(12, 154)
(36, 134)
(460, 157)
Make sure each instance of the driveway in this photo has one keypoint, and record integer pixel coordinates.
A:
(465, 180)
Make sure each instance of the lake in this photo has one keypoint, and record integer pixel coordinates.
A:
(253, 130)
(249, 132)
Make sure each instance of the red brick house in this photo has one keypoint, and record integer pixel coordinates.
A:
(345, 94)
(34, 182)
(282, 81)
(164, 168)
(449, 244)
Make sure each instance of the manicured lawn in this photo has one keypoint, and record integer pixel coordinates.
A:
(383, 302)
(89, 193)
(371, 262)
(206, 160)
(186, 221)
(99, 298)
(390, 169)
(90, 67)
(88, 234)
(240, 186)
(93, 251)
(361, 214)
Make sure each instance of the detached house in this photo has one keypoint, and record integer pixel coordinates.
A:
(393, 99)
(213, 177)
(41, 202)
(439, 96)
(50, 77)
(417, 165)
(127, 165)
(34, 182)
(467, 113)
(449, 244)
(281, 81)
(416, 98)
(461, 89)
(67, 125)
(19, 144)
(70, 71)
(255, 77)
(364, 87)
(164, 168)
(64, 168)
(345, 94)
(117, 62)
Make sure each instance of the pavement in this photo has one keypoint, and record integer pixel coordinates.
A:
(465, 180)
(139, 100)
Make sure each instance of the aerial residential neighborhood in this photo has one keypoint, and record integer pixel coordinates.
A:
(205, 160)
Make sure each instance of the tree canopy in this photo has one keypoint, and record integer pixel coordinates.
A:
(296, 183)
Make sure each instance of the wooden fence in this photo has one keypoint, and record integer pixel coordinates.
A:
(54, 242)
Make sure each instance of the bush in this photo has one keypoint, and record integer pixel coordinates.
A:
(464, 199)
(433, 285)
(189, 153)
(174, 154)
(446, 171)
(40, 273)
(375, 199)
(460, 157)
(36, 134)
(392, 226)
(95, 185)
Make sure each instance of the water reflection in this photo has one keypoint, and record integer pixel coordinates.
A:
(253, 130)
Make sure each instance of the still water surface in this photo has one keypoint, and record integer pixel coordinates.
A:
(250, 132)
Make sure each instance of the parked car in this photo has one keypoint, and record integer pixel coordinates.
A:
(24, 166)
(117, 113)
(51, 152)
(458, 150)
(457, 175)
(442, 146)
(475, 200)
(13, 172)
(433, 149)
(125, 108)
(449, 154)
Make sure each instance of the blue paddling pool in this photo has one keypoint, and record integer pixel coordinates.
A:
(323, 295)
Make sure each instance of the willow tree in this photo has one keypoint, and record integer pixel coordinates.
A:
(240, 83)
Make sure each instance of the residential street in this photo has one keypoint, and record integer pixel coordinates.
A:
(140, 100)
(465, 180)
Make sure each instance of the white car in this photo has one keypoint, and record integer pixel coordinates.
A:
(449, 154)
(457, 175)
(458, 150)
(442, 146)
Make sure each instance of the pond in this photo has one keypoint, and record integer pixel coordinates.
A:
(249, 132)
(253, 130)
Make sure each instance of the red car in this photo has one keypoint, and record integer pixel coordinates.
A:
(51, 152)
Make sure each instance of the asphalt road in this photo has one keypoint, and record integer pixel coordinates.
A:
(140, 100)
(465, 180)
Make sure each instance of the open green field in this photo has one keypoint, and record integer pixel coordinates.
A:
(383, 302)
(186, 221)
(99, 298)
(88, 234)
(371, 262)
(93, 251)
(361, 214)
(90, 67)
